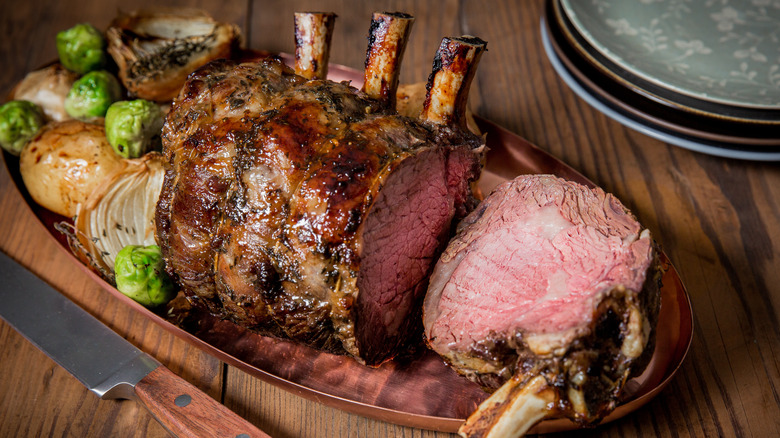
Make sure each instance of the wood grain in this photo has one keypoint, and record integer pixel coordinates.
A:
(717, 219)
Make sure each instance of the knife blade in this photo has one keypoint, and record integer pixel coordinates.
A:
(107, 364)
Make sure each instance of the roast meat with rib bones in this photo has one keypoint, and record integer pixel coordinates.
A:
(304, 208)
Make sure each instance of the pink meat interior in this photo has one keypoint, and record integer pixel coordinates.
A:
(537, 263)
(403, 236)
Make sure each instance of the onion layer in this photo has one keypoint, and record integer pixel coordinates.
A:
(119, 213)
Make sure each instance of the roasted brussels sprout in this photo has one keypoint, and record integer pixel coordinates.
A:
(133, 127)
(140, 274)
(20, 120)
(82, 48)
(92, 94)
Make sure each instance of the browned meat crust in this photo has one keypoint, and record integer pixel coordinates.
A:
(278, 190)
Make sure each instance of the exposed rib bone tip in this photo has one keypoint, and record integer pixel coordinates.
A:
(512, 410)
(454, 67)
(387, 38)
(313, 33)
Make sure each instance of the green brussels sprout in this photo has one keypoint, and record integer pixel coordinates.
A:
(140, 274)
(92, 94)
(82, 48)
(133, 127)
(20, 120)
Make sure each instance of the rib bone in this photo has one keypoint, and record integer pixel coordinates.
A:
(448, 85)
(313, 32)
(387, 39)
(513, 409)
(527, 398)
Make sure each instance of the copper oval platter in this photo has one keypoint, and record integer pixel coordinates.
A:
(421, 391)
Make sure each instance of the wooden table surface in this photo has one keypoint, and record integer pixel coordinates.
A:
(717, 219)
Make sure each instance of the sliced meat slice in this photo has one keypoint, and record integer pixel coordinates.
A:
(403, 234)
(546, 278)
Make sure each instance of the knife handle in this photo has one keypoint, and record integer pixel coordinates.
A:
(185, 411)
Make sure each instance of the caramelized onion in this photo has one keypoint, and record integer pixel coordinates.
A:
(119, 213)
(156, 49)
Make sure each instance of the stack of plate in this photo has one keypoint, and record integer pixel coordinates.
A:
(703, 75)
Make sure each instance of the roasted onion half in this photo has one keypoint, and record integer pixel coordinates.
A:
(47, 88)
(119, 213)
(155, 50)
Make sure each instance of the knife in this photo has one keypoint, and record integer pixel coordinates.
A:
(106, 363)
